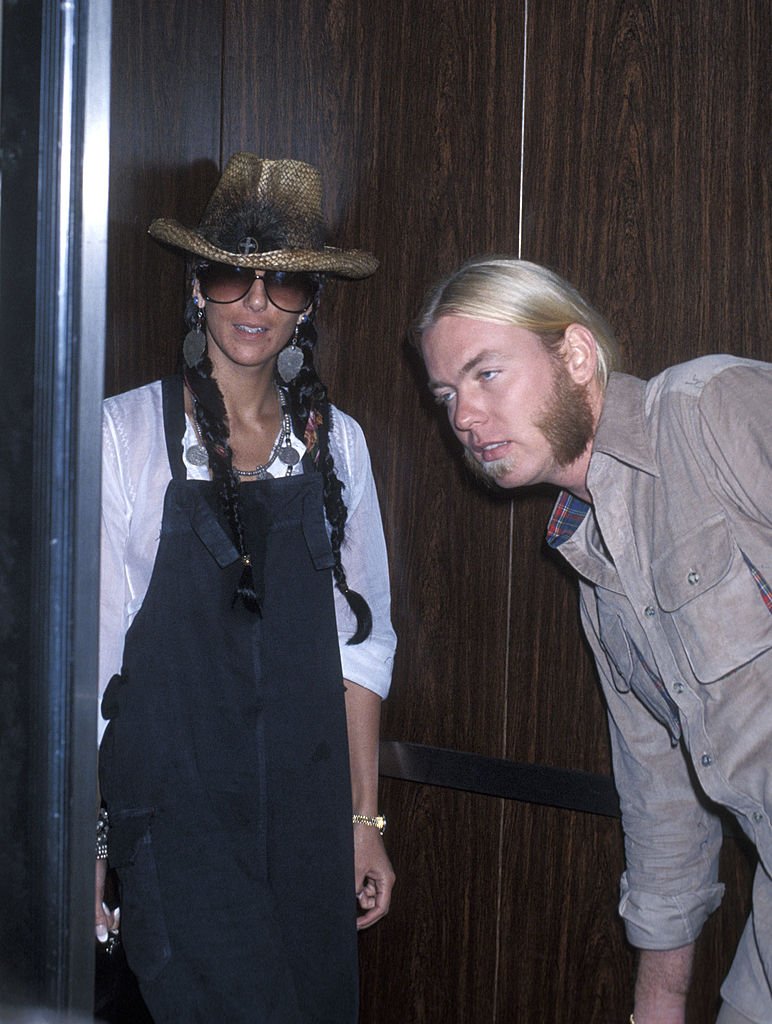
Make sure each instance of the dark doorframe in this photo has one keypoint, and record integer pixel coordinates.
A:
(54, 138)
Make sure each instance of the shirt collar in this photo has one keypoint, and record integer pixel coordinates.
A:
(621, 434)
(622, 431)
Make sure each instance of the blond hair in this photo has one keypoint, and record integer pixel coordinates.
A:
(511, 291)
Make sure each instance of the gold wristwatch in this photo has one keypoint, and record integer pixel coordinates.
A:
(378, 821)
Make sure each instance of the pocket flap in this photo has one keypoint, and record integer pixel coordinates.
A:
(212, 535)
(693, 564)
(315, 533)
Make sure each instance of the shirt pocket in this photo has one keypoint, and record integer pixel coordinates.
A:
(716, 609)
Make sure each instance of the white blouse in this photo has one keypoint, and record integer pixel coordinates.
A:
(135, 475)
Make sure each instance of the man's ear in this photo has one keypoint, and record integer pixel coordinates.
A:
(580, 353)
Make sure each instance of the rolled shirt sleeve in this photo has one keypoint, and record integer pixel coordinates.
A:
(672, 841)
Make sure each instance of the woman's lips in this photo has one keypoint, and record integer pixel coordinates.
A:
(250, 329)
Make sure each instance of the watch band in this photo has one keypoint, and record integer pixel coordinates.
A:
(378, 821)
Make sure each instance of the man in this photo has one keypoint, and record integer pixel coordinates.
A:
(665, 512)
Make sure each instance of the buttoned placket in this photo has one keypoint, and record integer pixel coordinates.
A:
(613, 521)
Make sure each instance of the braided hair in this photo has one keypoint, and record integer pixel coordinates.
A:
(212, 420)
(308, 404)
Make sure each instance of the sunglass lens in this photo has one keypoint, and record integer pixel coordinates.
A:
(290, 292)
(223, 283)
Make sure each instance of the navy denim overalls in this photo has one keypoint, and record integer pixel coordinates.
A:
(225, 765)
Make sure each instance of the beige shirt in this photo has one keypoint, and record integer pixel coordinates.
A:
(681, 482)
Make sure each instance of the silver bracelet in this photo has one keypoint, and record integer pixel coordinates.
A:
(102, 829)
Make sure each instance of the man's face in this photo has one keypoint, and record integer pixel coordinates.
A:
(515, 408)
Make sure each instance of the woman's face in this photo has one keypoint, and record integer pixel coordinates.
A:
(249, 332)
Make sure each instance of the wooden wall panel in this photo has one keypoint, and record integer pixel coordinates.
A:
(379, 97)
(555, 713)
(645, 182)
(563, 952)
(433, 959)
(646, 169)
(164, 162)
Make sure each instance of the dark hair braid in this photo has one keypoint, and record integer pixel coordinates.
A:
(307, 395)
(212, 419)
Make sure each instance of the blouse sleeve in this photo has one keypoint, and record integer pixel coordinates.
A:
(364, 560)
(114, 536)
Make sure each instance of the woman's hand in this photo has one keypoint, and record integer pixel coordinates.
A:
(106, 920)
(373, 875)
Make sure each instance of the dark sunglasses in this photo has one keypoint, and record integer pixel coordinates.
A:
(289, 291)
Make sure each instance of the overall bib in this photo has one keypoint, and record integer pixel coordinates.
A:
(225, 765)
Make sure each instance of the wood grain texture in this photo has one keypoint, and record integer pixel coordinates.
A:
(564, 954)
(646, 174)
(379, 97)
(434, 957)
(164, 162)
(554, 707)
(646, 183)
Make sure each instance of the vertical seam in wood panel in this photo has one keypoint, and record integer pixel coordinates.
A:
(504, 743)
(522, 133)
(223, 51)
(510, 560)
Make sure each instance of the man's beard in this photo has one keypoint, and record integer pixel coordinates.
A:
(567, 424)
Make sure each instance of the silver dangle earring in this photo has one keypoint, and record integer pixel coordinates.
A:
(289, 361)
(194, 345)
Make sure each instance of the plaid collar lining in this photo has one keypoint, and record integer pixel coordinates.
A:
(567, 515)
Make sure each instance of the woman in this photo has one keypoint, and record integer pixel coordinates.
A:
(239, 767)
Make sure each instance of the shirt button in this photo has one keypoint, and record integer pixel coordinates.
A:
(758, 817)
(648, 610)
(706, 760)
(693, 578)
(678, 687)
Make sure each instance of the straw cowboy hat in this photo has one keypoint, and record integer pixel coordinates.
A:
(265, 214)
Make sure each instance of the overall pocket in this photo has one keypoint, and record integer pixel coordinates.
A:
(143, 925)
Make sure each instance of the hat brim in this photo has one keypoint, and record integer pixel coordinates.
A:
(350, 263)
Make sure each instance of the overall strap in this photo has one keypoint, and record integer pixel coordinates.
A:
(174, 423)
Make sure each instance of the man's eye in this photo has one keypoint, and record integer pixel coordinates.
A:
(488, 374)
(443, 397)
